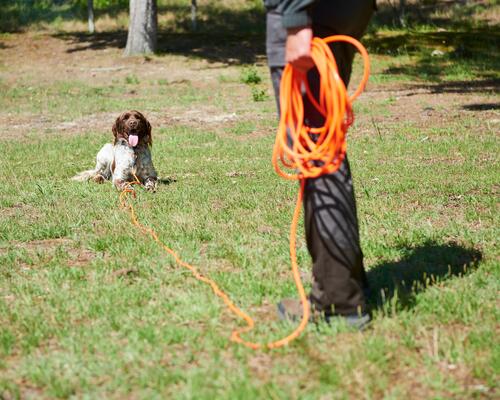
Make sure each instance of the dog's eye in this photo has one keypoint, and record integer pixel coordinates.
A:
(126, 116)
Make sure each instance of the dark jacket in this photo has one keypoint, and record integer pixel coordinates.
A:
(297, 13)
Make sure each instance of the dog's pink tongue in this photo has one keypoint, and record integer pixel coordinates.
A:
(133, 140)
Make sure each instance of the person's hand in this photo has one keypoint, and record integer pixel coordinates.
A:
(298, 48)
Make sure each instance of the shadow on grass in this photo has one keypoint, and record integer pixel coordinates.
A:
(225, 47)
(439, 54)
(488, 86)
(81, 41)
(482, 107)
(438, 13)
(228, 48)
(460, 44)
(223, 35)
(166, 181)
(419, 268)
(475, 86)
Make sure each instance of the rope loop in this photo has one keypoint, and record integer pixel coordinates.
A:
(301, 151)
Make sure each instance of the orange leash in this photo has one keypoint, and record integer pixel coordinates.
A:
(309, 157)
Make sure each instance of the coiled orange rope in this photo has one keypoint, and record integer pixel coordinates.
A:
(310, 156)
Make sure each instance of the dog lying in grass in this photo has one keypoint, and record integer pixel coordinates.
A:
(128, 155)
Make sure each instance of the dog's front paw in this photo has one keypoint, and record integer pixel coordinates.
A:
(99, 178)
(151, 184)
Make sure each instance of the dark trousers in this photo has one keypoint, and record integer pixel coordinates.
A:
(332, 234)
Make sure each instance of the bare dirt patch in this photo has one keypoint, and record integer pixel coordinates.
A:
(74, 58)
(80, 257)
(27, 212)
(22, 127)
(125, 272)
(46, 249)
(205, 115)
(43, 245)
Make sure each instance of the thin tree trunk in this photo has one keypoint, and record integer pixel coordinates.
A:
(402, 13)
(194, 9)
(90, 8)
(142, 28)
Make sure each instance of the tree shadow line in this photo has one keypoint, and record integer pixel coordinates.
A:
(420, 267)
(482, 107)
(215, 48)
(223, 35)
(476, 86)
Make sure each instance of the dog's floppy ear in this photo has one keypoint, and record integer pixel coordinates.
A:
(149, 137)
(116, 128)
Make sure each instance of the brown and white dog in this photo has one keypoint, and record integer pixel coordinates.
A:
(129, 154)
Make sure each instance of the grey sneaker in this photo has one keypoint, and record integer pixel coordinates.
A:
(355, 321)
(291, 310)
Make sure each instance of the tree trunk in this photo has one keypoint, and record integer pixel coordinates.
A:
(194, 8)
(90, 8)
(142, 27)
(402, 13)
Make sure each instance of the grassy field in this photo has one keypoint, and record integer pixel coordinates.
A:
(91, 308)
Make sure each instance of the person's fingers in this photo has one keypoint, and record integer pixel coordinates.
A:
(303, 64)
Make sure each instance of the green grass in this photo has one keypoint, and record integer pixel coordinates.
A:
(92, 308)
(83, 330)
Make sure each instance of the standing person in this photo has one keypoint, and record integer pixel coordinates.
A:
(339, 283)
